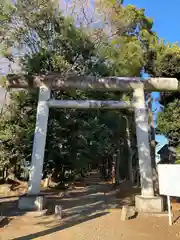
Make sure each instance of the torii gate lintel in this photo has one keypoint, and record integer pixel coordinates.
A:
(123, 84)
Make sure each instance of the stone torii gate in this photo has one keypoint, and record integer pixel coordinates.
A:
(146, 201)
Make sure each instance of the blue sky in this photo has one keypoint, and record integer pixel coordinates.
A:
(165, 15)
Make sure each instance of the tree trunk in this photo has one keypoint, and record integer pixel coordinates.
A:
(118, 178)
(47, 181)
(152, 143)
(103, 169)
(111, 168)
(130, 168)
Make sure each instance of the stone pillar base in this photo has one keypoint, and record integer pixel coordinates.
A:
(149, 204)
(31, 202)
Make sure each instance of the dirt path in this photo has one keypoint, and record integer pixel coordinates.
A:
(88, 217)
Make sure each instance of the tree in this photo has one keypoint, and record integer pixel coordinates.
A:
(168, 122)
(16, 132)
(122, 34)
(54, 43)
(164, 61)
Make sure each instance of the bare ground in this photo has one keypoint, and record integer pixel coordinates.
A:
(88, 215)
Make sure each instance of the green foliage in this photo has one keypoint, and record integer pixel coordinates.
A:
(178, 154)
(129, 33)
(6, 10)
(168, 122)
(164, 61)
(52, 43)
(17, 125)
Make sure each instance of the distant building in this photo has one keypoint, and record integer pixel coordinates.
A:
(161, 140)
(167, 154)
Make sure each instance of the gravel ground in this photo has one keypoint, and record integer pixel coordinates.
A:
(87, 217)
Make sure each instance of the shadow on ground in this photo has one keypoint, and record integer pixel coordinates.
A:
(79, 205)
(59, 228)
(9, 207)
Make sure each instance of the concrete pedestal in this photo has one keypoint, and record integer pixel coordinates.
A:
(149, 204)
(31, 202)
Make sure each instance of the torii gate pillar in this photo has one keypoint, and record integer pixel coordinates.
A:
(33, 200)
(39, 141)
(146, 202)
